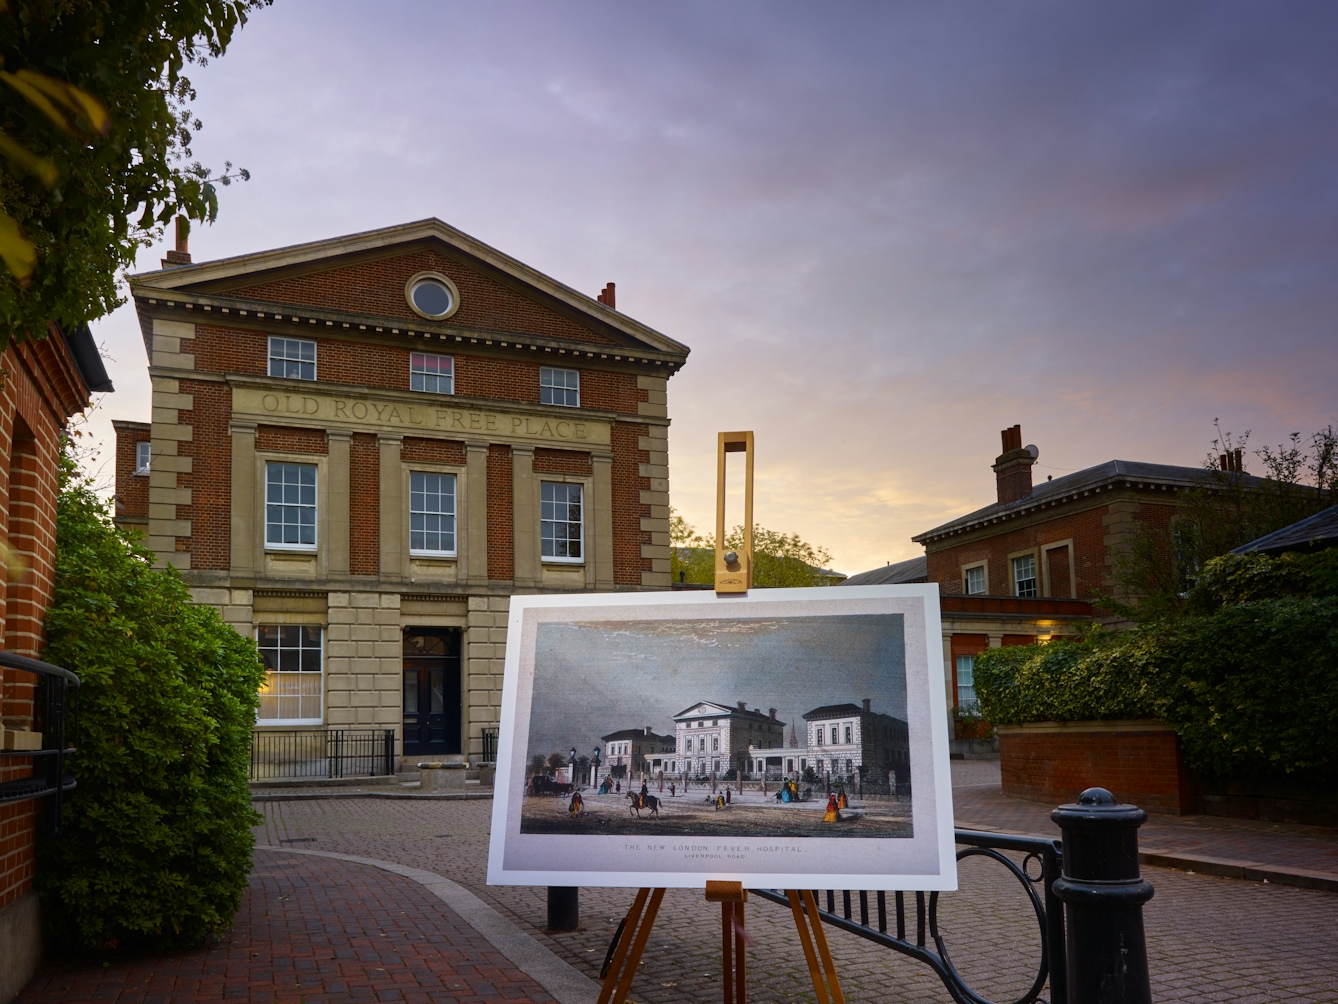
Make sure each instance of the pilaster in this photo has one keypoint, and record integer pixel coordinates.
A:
(601, 465)
(246, 531)
(525, 517)
(337, 544)
(476, 513)
(391, 508)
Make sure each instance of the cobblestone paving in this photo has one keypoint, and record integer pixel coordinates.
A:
(1210, 939)
(312, 931)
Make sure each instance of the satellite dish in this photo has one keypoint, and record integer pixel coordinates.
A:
(1035, 452)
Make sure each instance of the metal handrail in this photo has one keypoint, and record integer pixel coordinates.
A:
(1047, 908)
(57, 686)
(37, 666)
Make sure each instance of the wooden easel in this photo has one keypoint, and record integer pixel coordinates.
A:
(733, 575)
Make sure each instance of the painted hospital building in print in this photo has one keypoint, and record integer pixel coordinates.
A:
(714, 738)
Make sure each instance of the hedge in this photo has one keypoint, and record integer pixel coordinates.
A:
(1252, 689)
(156, 843)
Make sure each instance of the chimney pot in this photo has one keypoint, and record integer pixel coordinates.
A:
(772, 712)
(180, 255)
(868, 704)
(608, 296)
(743, 706)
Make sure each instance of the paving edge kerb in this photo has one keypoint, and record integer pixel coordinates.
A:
(1250, 871)
(565, 983)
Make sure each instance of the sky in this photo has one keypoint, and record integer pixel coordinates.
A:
(886, 231)
(602, 677)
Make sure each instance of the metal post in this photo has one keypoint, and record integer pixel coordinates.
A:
(564, 908)
(1103, 895)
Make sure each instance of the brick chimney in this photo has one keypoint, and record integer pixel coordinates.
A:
(181, 256)
(743, 705)
(772, 712)
(868, 704)
(1012, 468)
(607, 296)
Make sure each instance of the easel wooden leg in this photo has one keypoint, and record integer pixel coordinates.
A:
(636, 932)
(733, 955)
(805, 912)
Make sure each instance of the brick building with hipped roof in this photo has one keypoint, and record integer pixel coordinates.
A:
(1029, 566)
(361, 447)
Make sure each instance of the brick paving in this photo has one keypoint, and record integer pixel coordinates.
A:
(978, 803)
(1210, 938)
(312, 931)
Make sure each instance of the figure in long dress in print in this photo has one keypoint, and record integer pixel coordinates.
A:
(842, 802)
(833, 814)
(577, 804)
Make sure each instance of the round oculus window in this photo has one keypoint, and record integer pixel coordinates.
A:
(431, 298)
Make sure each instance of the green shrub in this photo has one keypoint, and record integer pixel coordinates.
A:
(1104, 677)
(1251, 689)
(1234, 579)
(156, 843)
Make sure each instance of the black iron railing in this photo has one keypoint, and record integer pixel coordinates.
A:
(321, 753)
(53, 717)
(489, 745)
(912, 928)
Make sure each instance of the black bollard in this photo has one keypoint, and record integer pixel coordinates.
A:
(564, 907)
(1103, 895)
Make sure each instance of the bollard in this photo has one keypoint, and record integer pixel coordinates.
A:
(564, 908)
(1103, 895)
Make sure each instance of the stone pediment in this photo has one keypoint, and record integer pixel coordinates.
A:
(364, 275)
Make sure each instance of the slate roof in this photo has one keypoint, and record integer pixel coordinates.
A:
(1314, 533)
(725, 709)
(833, 711)
(636, 734)
(911, 570)
(1070, 486)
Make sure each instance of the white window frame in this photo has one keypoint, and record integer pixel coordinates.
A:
(143, 456)
(1013, 559)
(315, 507)
(320, 675)
(984, 567)
(554, 558)
(548, 373)
(967, 663)
(454, 514)
(271, 358)
(425, 375)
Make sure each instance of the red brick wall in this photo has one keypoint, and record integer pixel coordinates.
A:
(561, 462)
(364, 364)
(1142, 767)
(210, 476)
(285, 439)
(364, 504)
(39, 389)
(132, 490)
(627, 508)
(432, 451)
(377, 288)
(1086, 528)
(501, 529)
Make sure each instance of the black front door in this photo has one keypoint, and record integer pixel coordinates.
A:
(431, 691)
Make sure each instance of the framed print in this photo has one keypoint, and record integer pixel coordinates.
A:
(786, 738)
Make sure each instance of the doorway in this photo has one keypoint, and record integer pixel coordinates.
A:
(431, 691)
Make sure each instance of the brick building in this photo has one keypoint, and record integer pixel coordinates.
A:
(1027, 566)
(361, 447)
(42, 383)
